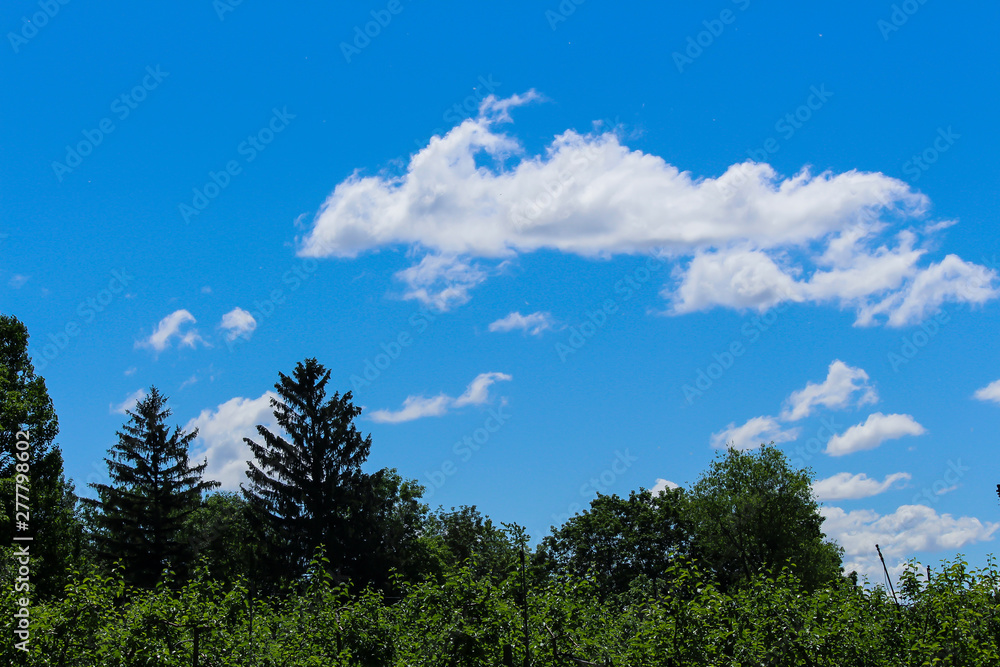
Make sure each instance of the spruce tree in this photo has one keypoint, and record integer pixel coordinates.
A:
(154, 490)
(25, 406)
(306, 482)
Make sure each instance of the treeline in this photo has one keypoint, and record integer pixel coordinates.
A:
(316, 561)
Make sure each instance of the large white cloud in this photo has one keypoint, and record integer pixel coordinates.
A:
(873, 432)
(752, 433)
(838, 390)
(754, 237)
(901, 534)
(844, 485)
(220, 436)
(418, 407)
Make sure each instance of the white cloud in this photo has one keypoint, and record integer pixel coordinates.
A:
(873, 432)
(441, 281)
(754, 237)
(908, 530)
(129, 402)
(990, 392)
(663, 485)
(751, 434)
(18, 280)
(533, 323)
(477, 392)
(837, 391)
(220, 437)
(950, 280)
(417, 407)
(170, 327)
(845, 485)
(735, 279)
(238, 322)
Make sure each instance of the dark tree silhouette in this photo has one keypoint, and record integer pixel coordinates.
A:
(154, 490)
(25, 406)
(306, 484)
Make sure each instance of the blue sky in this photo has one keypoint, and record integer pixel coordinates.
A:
(554, 249)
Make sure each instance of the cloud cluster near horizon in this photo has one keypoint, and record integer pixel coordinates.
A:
(844, 387)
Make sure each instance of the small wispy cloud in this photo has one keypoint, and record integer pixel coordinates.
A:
(990, 392)
(442, 282)
(873, 432)
(752, 434)
(130, 402)
(838, 390)
(844, 485)
(533, 323)
(238, 323)
(417, 407)
(169, 328)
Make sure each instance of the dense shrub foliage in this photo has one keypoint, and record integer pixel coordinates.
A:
(682, 618)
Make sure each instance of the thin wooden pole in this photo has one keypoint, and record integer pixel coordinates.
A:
(887, 578)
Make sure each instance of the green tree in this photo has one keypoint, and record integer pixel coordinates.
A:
(154, 490)
(752, 512)
(618, 539)
(386, 521)
(464, 537)
(305, 483)
(220, 531)
(25, 407)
